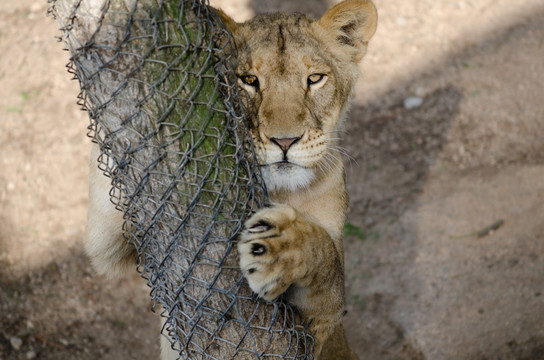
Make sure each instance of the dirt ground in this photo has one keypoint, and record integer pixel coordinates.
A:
(421, 284)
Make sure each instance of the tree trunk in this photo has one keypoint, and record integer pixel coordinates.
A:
(164, 108)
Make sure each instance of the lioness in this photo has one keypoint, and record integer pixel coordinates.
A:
(298, 74)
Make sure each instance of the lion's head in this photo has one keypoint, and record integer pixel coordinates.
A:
(298, 73)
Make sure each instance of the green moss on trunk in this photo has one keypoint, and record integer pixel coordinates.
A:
(185, 98)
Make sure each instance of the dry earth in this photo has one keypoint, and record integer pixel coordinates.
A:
(422, 181)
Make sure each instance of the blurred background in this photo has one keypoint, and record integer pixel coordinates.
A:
(445, 138)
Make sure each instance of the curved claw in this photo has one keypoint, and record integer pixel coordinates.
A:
(260, 227)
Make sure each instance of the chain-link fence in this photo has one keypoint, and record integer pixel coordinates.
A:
(157, 81)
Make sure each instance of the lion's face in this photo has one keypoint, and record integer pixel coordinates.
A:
(298, 74)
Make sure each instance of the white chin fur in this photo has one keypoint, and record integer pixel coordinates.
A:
(286, 177)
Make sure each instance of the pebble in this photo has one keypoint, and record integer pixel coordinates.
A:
(36, 7)
(31, 355)
(16, 342)
(412, 102)
(400, 21)
(64, 342)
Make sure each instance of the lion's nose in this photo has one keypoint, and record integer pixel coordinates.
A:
(285, 143)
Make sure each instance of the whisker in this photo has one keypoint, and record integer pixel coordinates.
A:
(334, 157)
(343, 152)
(333, 163)
(326, 163)
(335, 131)
(321, 167)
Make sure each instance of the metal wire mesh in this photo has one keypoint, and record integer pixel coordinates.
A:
(157, 81)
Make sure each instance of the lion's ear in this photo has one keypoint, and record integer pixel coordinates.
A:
(352, 23)
(230, 24)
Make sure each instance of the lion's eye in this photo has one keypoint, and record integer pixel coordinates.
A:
(250, 80)
(315, 79)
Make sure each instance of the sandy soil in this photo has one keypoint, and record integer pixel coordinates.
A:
(422, 181)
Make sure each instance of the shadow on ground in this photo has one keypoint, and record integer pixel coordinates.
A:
(315, 8)
(64, 311)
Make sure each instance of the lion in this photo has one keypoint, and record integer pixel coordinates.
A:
(297, 74)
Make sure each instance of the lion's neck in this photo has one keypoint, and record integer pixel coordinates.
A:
(324, 200)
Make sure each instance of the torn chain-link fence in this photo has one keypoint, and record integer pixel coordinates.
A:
(157, 82)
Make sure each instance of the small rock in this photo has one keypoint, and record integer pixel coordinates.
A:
(412, 102)
(30, 355)
(64, 342)
(400, 21)
(36, 7)
(16, 342)
(11, 186)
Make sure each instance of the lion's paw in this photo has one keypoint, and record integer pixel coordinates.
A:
(271, 250)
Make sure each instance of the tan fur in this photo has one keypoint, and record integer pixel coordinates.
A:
(295, 246)
(108, 250)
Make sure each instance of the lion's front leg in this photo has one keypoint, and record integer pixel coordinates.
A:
(280, 250)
